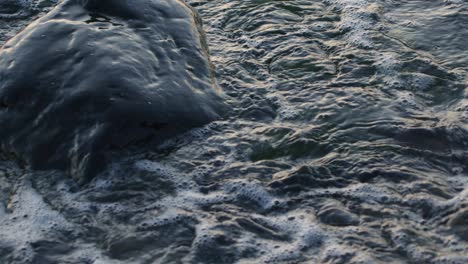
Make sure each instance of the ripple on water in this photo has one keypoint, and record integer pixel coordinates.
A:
(347, 144)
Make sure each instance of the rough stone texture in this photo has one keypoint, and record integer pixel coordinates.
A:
(99, 75)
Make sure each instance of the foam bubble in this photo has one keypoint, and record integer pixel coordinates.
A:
(29, 219)
(357, 21)
(251, 191)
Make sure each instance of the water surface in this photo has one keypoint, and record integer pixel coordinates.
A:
(347, 143)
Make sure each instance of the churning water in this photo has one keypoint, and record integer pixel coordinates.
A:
(347, 143)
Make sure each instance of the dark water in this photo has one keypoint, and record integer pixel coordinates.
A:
(347, 143)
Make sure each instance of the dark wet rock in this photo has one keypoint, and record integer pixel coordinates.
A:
(91, 77)
(336, 215)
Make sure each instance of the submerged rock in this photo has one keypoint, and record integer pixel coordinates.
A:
(94, 76)
(336, 215)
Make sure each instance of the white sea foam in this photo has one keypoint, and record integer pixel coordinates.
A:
(28, 220)
(357, 20)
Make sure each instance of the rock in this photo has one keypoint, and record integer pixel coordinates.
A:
(96, 76)
(336, 215)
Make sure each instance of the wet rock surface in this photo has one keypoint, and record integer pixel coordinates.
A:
(337, 215)
(91, 77)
